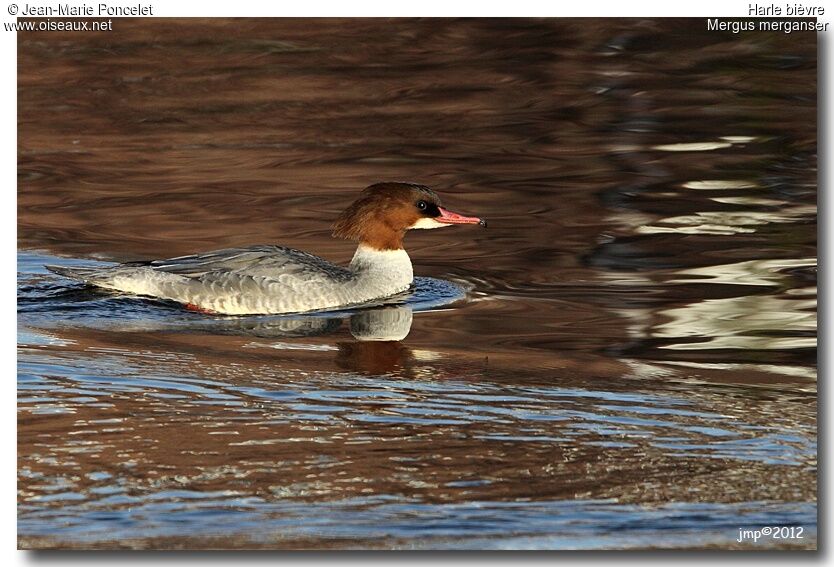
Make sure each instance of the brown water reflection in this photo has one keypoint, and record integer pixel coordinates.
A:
(634, 361)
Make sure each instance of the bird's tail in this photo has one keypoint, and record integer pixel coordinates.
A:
(127, 278)
(91, 276)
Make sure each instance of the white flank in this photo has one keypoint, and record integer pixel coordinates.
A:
(376, 274)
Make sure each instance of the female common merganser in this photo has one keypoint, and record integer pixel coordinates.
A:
(271, 279)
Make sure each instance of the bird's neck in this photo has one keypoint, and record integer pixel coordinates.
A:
(390, 266)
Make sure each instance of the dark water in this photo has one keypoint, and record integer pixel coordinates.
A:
(625, 358)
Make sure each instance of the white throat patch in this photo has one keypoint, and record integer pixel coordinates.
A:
(427, 222)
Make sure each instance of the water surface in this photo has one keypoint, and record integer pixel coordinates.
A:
(625, 358)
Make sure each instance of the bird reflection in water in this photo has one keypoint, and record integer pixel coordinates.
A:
(377, 349)
(378, 332)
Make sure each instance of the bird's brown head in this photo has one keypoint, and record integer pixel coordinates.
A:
(383, 213)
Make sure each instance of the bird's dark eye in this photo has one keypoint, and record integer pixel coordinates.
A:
(422, 205)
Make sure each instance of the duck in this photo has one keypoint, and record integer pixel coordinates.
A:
(273, 279)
